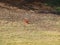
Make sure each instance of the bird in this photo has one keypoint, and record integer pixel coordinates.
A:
(26, 21)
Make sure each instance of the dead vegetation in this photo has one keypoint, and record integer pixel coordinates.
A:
(42, 28)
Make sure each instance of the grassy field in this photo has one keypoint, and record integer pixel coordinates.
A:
(44, 29)
(17, 33)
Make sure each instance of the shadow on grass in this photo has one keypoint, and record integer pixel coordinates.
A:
(26, 6)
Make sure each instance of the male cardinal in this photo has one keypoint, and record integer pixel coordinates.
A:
(26, 21)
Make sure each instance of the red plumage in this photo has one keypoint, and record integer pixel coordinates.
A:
(26, 21)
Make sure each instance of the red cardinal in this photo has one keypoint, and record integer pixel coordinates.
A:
(26, 21)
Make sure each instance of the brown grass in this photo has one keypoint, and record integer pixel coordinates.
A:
(43, 29)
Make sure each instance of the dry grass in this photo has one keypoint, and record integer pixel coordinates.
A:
(18, 34)
(44, 29)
